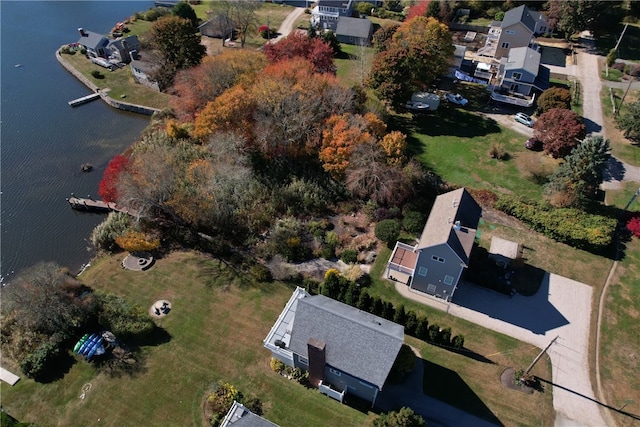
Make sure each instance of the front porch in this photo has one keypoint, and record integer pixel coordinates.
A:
(513, 98)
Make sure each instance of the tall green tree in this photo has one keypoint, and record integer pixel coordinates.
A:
(629, 122)
(418, 53)
(185, 11)
(575, 181)
(405, 417)
(179, 46)
(572, 16)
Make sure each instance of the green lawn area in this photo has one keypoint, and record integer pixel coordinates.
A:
(620, 146)
(353, 64)
(473, 381)
(214, 332)
(120, 82)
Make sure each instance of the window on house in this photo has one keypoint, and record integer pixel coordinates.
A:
(303, 360)
(517, 76)
(422, 271)
(448, 280)
(543, 29)
(505, 45)
(431, 288)
(437, 258)
(335, 372)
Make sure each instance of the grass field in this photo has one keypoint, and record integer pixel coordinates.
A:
(620, 146)
(213, 332)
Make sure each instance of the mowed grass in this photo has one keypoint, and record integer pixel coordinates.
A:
(621, 147)
(120, 82)
(473, 383)
(215, 328)
(620, 341)
(455, 144)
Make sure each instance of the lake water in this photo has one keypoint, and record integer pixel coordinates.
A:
(44, 141)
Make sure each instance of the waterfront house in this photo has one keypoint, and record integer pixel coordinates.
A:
(326, 13)
(345, 350)
(434, 265)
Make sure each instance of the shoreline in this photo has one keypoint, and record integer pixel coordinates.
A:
(120, 105)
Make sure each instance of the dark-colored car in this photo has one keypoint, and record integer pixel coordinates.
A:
(533, 144)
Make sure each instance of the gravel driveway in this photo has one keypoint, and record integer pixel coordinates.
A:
(562, 307)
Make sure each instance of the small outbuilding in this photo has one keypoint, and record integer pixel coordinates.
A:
(503, 252)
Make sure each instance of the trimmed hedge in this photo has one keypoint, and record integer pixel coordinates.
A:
(572, 226)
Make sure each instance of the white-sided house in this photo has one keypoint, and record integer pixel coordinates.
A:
(434, 265)
(142, 69)
(520, 76)
(327, 12)
(345, 350)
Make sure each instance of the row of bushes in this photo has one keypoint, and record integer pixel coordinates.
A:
(339, 288)
(572, 226)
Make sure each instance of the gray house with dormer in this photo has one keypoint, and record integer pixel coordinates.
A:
(326, 13)
(356, 31)
(521, 72)
(434, 265)
(345, 350)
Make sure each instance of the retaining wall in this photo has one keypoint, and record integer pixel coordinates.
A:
(120, 105)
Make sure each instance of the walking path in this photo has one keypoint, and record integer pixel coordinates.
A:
(558, 309)
(287, 25)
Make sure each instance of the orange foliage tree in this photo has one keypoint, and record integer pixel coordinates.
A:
(342, 134)
(394, 145)
(230, 111)
(195, 87)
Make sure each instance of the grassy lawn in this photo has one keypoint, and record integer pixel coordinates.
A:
(611, 74)
(455, 144)
(473, 383)
(353, 64)
(620, 146)
(620, 341)
(120, 82)
(213, 332)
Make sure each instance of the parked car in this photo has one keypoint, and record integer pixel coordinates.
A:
(456, 99)
(533, 144)
(524, 119)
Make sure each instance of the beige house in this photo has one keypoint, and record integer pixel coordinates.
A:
(517, 29)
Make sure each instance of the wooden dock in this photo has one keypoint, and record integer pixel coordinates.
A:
(91, 205)
(84, 99)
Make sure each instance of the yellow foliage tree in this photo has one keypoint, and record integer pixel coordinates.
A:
(376, 126)
(228, 112)
(135, 241)
(394, 145)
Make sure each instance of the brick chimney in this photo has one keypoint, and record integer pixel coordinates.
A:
(315, 351)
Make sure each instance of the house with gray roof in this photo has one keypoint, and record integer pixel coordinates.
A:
(345, 350)
(356, 31)
(239, 416)
(522, 73)
(114, 51)
(326, 13)
(517, 29)
(434, 265)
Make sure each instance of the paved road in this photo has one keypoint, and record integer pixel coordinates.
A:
(287, 25)
(561, 308)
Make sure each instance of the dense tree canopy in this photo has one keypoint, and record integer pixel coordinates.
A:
(405, 417)
(418, 53)
(179, 46)
(296, 44)
(560, 131)
(107, 189)
(342, 134)
(576, 180)
(572, 16)
(185, 11)
(629, 121)
(554, 97)
(241, 13)
(196, 86)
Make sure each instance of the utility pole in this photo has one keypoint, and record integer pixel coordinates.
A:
(268, 30)
(621, 35)
(615, 114)
(632, 199)
(526, 372)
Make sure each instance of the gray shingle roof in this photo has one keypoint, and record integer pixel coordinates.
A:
(93, 40)
(354, 27)
(519, 14)
(457, 205)
(357, 343)
(240, 416)
(523, 58)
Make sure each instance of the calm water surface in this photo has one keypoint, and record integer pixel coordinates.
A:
(43, 140)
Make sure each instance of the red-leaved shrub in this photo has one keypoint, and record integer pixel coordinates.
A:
(633, 225)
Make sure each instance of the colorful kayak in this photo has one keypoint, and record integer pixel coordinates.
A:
(80, 342)
(95, 347)
(88, 343)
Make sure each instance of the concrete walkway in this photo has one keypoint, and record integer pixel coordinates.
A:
(562, 307)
